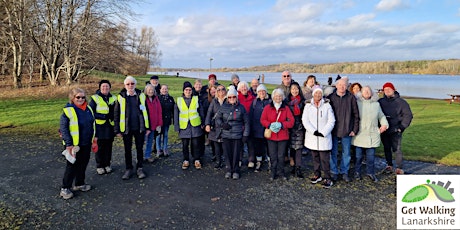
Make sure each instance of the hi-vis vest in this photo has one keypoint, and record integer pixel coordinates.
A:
(102, 107)
(122, 102)
(188, 114)
(73, 124)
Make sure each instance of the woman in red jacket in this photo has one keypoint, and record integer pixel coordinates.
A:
(279, 119)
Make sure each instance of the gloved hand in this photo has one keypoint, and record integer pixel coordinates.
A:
(245, 139)
(226, 126)
(318, 134)
(275, 127)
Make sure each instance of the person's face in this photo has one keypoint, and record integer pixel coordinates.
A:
(188, 92)
(389, 92)
(221, 92)
(317, 96)
(261, 94)
(294, 91)
(366, 93)
(150, 91)
(212, 81)
(212, 91)
(244, 90)
(341, 87)
(277, 98)
(79, 99)
(231, 99)
(154, 82)
(164, 90)
(254, 84)
(235, 80)
(105, 88)
(286, 78)
(310, 82)
(355, 89)
(130, 86)
(198, 86)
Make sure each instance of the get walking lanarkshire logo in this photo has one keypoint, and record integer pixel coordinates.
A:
(428, 201)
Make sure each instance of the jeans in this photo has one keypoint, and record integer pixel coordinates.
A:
(149, 144)
(163, 145)
(370, 157)
(345, 162)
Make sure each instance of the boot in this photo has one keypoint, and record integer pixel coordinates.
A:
(293, 170)
(298, 172)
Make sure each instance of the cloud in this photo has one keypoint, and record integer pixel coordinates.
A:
(388, 5)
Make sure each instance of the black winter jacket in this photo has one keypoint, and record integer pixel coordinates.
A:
(397, 112)
(236, 117)
(346, 114)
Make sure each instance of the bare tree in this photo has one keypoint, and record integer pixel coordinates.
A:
(148, 47)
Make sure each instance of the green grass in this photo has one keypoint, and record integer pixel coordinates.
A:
(432, 137)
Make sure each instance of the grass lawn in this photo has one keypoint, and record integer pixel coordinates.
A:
(433, 135)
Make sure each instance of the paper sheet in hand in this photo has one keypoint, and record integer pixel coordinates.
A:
(69, 156)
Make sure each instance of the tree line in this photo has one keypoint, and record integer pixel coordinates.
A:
(61, 41)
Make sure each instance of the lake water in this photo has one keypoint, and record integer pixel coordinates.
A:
(429, 86)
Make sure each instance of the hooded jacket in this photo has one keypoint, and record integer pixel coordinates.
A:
(319, 118)
(397, 112)
(286, 119)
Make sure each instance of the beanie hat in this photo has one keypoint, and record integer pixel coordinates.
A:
(316, 88)
(232, 91)
(187, 84)
(261, 87)
(104, 81)
(235, 76)
(212, 76)
(154, 77)
(388, 84)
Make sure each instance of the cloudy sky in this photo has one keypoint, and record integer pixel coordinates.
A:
(238, 33)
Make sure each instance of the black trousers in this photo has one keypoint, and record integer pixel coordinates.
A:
(321, 161)
(104, 152)
(257, 147)
(218, 150)
(232, 150)
(194, 149)
(76, 171)
(277, 151)
(128, 143)
(297, 155)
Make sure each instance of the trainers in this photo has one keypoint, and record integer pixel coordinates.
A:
(251, 165)
(346, 178)
(66, 193)
(197, 164)
(140, 173)
(228, 175)
(315, 179)
(258, 165)
(127, 174)
(357, 176)
(108, 169)
(388, 169)
(372, 177)
(151, 159)
(83, 188)
(185, 165)
(100, 171)
(399, 171)
(327, 183)
(236, 176)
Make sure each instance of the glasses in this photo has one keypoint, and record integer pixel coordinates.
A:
(130, 83)
(286, 76)
(220, 89)
(78, 97)
(232, 97)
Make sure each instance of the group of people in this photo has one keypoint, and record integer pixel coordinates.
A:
(235, 119)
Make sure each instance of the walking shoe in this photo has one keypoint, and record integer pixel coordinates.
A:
(346, 178)
(166, 153)
(185, 165)
(83, 188)
(251, 165)
(388, 169)
(291, 162)
(228, 175)
(373, 177)
(66, 193)
(258, 165)
(100, 171)
(151, 159)
(218, 165)
(399, 171)
(160, 154)
(140, 173)
(357, 176)
(236, 176)
(127, 174)
(327, 183)
(334, 177)
(197, 164)
(108, 169)
(240, 163)
(298, 172)
(315, 179)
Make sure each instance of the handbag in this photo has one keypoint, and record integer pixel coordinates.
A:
(268, 132)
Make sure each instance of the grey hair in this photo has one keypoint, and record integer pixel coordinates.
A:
(369, 88)
(130, 78)
(241, 85)
(278, 91)
(73, 92)
(148, 86)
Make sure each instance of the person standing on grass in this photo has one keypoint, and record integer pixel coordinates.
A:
(77, 128)
(399, 116)
(318, 119)
(132, 121)
(346, 126)
(211, 127)
(188, 117)
(371, 124)
(167, 110)
(103, 103)
(155, 121)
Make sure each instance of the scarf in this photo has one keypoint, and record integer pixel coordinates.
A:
(83, 106)
(295, 101)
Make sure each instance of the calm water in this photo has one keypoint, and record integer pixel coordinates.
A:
(430, 86)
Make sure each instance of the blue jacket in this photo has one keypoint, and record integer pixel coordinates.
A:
(255, 112)
(236, 117)
(85, 126)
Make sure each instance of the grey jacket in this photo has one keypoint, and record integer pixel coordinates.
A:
(190, 131)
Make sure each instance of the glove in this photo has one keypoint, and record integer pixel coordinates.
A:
(94, 147)
(275, 127)
(226, 126)
(318, 134)
(245, 139)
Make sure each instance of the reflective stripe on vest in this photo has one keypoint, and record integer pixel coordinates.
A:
(73, 124)
(187, 114)
(122, 102)
(102, 107)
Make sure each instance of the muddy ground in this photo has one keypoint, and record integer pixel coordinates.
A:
(171, 198)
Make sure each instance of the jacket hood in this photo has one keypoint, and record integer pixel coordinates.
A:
(392, 98)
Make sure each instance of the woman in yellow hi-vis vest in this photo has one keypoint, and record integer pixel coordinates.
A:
(77, 128)
(131, 120)
(188, 117)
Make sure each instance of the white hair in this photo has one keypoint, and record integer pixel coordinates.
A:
(279, 92)
(241, 84)
(129, 78)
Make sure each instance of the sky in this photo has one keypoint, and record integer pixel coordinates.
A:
(238, 33)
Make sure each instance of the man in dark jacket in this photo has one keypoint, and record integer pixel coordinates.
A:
(346, 126)
(399, 116)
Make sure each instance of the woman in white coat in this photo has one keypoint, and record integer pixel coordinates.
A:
(368, 137)
(318, 119)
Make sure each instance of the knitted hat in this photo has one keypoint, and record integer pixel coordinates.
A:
(316, 88)
(388, 84)
(261, 87)
(212, 76)
(154, 77)
(232, 91)
(187, 84)
(104, 81)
